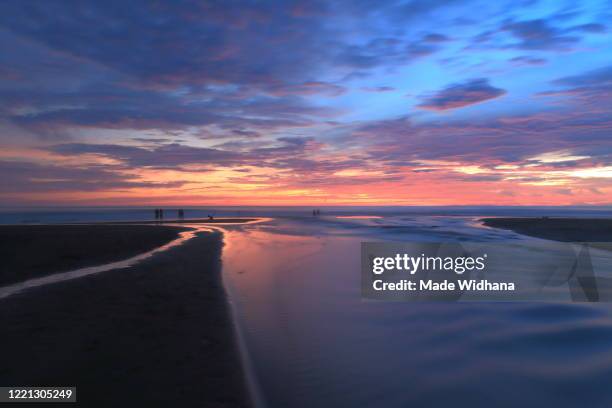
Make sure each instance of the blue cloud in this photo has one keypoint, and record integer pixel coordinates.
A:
(462, 94)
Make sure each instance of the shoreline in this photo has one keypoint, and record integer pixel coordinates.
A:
(598, 230)
(221, 378)
(229, 221)
(132, 323)
(33, 251)
(256, 399)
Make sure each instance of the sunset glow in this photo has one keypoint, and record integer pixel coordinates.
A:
(306, 103)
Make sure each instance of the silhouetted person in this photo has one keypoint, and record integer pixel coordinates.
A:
(161, 214)
(181, 214)
(210, 217)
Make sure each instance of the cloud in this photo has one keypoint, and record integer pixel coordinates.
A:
(386, 51)
(539, 34)
(592, 88)
(406, 11)
(175, 156)
(596, 77)
(527, 60)
(171, 65)
(245, 68)
(23, 176)
(542, 34)
(172, 155)
(462, 94)
(190, 42)
(377, 89)
(113, 107)
(262, 46)
(436, 38)
(270, 96)
(590, 28)
(572, 137)
(308, 88)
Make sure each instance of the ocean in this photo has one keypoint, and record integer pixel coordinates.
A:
(44, 215)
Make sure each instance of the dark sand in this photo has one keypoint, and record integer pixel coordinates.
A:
(28, 251)
(158, 334)
(558, 229)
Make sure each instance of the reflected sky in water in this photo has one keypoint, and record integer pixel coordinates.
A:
(312, 341)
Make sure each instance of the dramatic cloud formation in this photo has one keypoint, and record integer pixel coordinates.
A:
(299, 102)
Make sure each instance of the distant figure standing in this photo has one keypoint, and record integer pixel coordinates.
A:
(156, 214)
(161, 214)
(210, 217)
(181, 214)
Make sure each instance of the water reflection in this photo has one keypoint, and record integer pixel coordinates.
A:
(195, 228)
(312, 341)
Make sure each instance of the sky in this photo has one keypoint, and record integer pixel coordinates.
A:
(420, 102)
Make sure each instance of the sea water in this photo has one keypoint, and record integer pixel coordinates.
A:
(311, 340)
(46, 215)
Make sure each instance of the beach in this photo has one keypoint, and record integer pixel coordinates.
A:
(190, 221)
(29, 251)
(158, 333)
(557, 229)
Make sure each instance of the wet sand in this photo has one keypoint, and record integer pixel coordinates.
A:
(189, 221)
(155, 334)
(29, 251)
(558, 229)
